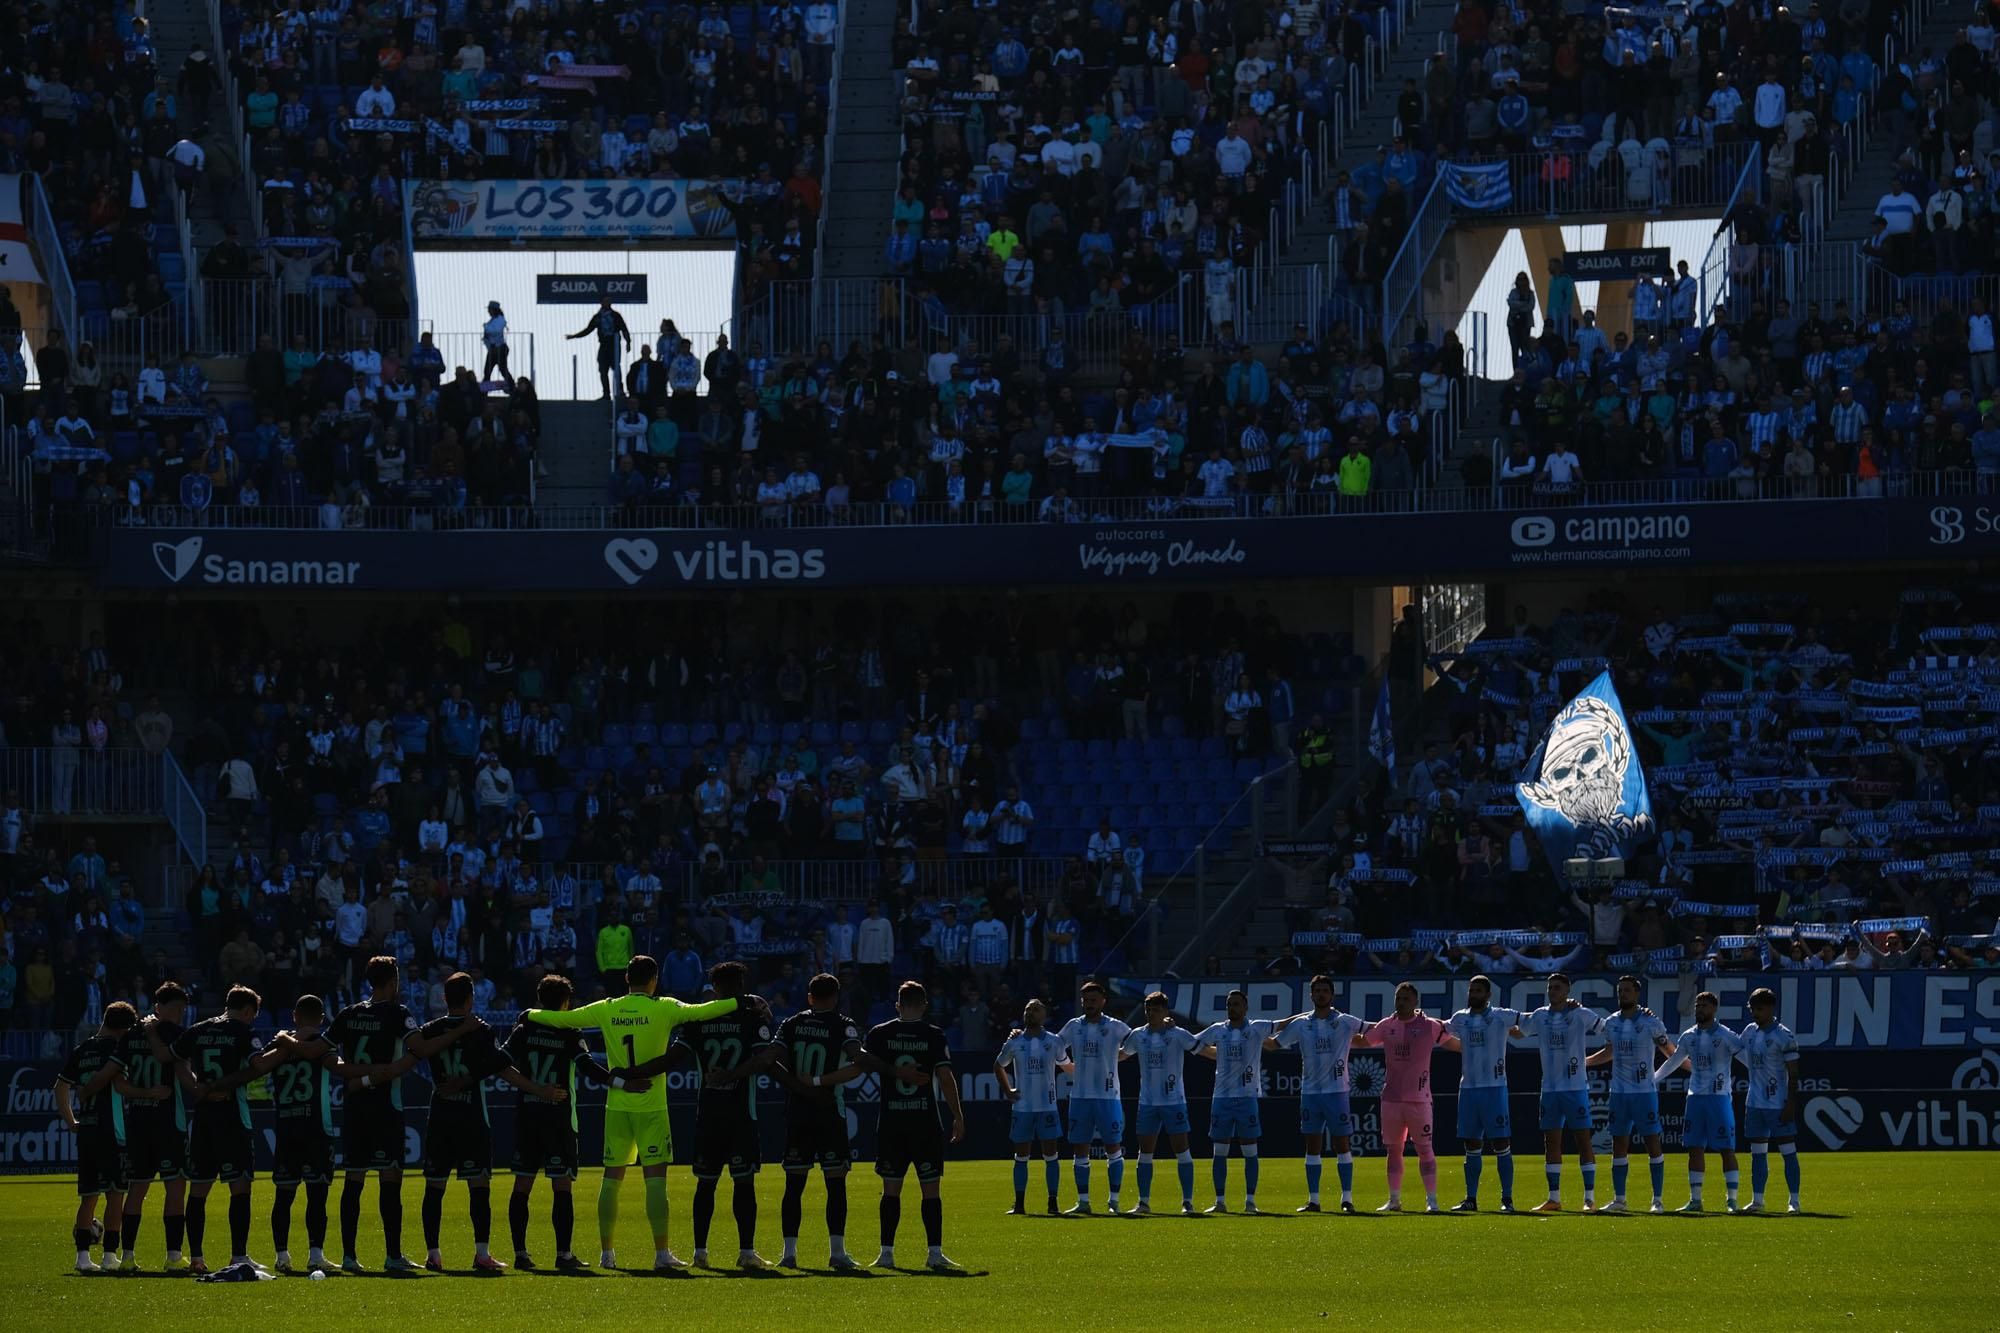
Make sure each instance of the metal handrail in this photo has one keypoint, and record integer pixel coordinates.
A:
(488, 519)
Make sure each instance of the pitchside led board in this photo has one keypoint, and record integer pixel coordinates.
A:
(548, 251)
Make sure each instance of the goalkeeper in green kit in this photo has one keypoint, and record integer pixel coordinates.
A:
(638, 1027)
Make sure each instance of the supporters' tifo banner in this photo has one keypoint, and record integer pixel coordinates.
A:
(646, 210)
(17, 262)
(1905, 1011)
(1349, 546)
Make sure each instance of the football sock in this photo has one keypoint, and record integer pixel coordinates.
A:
(607, 1212)
(1145, 1176)
(389, 1205)
(350, 1217)
(1504, 1162)
(933, 1211)
(1590, 1180)
(745, 1207)
(704, 1211)
(1621, 1171)
(1052, 1173)
(111, 1235)
(197, 1222)
(281, 1217)
(1080, 1169)
(1760, 1170)
(1250, 1165)
(84, 1240)
(482, 1216)
(433, 1214)
(1395, 1165)
(1656, 1167)
(792, 1208)
(1694, 1186)
(656, 1209)
(1788, 1152)
(316, 1192)
(1343, 1166)
(517, 1220)
(1474, 1164)
(1554, 1171)
(1730, 1180)
(1020, 1178)
(1313, 1169)
(891, 1214)
(836, 1208)
(1427, 1169)
(130, 1230)
(176, 1232)
(1114, 1170)
(1219, 1170)
(239, 1223)
(1184, 1164)
(565, 1220)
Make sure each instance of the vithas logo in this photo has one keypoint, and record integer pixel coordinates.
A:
(1833, 1120)
(175, 559)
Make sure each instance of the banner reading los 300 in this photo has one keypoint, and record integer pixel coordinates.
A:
(656, 210)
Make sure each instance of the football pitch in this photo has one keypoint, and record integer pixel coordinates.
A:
(1890, 1241)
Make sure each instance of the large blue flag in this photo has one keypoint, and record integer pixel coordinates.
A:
(1583, 791)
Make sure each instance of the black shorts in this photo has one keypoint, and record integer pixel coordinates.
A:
(371, 1137)
(726, 1138)
(457, 1139)
(156, 1146)
(304, 1153)
(902, 1145)
(100, 1162)
(816, 1136)
(544, 1142)
(219, 1148)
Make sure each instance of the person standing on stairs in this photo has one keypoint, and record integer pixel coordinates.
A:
(609, 326)
(494, 335)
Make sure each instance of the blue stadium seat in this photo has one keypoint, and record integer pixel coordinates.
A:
(1031, 729)
(674, 734)
(1099, 749)
(614, 735)
(644, 733)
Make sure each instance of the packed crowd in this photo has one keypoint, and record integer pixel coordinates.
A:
(342, 105)
(1939, 214)
(1090, 161)
(871, 433)
(1769, 398)
(1823, 784)
(1549, 109)
(851, 800)
(323, 437)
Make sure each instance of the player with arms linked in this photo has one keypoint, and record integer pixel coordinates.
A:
(1322, 1037)
(1035, 1055)
(1162, 1046)
(729, 1053)
(1770, 1107)
(916, 1063)
(638, 1028)
(545, 1132)
(372, 1039)
(88, 1093)
(1708, 1049)
(1631, 1036)
(463, 1053)
(156, 1127)
(1484, 1121)
(1095, 1045)
(820, 1052)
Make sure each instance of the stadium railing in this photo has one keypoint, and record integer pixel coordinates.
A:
(799, 882)
(64, 781)
(75, 526)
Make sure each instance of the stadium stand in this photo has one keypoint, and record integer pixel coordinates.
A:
(511, 810)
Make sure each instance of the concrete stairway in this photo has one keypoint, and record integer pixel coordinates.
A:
(867, 144)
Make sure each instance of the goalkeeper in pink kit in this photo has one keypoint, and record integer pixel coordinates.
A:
(1407, 1039)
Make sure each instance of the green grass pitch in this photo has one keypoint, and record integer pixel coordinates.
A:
(1893, 1241)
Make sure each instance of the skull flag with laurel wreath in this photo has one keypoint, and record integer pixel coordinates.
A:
(1583, 790)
